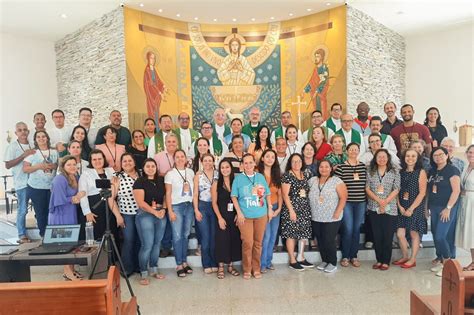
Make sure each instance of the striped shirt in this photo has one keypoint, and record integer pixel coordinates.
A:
(355, 183)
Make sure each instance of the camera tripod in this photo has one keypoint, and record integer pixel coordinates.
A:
(109, 246)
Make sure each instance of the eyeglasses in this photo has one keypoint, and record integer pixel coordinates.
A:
(438, 155)
(206, 128)
(374, 141)
(346, 121)
(184, 118)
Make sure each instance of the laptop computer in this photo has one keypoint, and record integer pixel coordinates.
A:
(58, 239)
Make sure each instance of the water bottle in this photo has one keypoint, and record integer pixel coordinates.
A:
(89, 233)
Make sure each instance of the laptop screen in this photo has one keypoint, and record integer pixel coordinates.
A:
(55, 234)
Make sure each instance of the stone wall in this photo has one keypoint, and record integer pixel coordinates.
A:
(91, 70)
(375, 63)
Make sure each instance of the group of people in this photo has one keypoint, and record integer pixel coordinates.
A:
(243, 186)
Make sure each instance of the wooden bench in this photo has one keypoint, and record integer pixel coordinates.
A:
(457, 294)
(101, 296)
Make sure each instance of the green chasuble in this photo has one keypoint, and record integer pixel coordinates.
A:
(227, 131)
(159, 142)
(330, 124)
(355, 136)
(216, 146)
(384, 137)
(194, 135)
(279, 133)
(251, 131)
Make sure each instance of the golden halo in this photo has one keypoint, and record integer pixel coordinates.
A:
(326, 52)
(243, 44)
(155, 52)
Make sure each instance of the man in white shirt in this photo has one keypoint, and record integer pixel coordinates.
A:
(85, 120)
(280, 131)
(217, 147)
(350, 134)
(219, 123)
(59, 134)
(387, 140)
(15, 153)
(39, 120)
(186, 135)
(157, 143)
(334, 122)
(317, 121)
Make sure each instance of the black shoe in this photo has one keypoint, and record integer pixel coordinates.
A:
(164, 253)
(305, 264)
(296, 266)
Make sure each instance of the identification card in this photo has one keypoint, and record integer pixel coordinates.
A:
(302, 193)
(406, 195)
(230, 207)
(434, 190)
(186, 187)
(380, 189)
(321, 200)
(356, 176)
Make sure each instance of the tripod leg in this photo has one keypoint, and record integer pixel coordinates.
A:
(99, 252)
(122, 269)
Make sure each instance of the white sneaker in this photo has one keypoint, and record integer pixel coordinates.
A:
(369, 245)
(437, 268)
(440, 272)
(322, 266)
(330, 268)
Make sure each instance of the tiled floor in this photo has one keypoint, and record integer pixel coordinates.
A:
(348, 291)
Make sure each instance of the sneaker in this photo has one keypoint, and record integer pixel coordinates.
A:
(437, 268)
(369, 245)
(305, 264)
(440, 272)
(322, 266)
(296, 266)
(330, 268)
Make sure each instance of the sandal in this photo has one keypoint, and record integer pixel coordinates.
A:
(214, 269)
(188, 269)
(355, 262)
(469, 267)
(220, 273)
(23, 240)
(78, 275)
(233, 271)
(70, 277)
(247, 275)
(400, 262)
(158, 276)
(144, 281)
(181, 273)
(207, 270)
(257, 275)
(345, 262)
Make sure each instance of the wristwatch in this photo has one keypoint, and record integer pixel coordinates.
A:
(449, 207)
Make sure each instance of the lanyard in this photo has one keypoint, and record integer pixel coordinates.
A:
(169, 162)
(250, 180)
(321, 188)
(44, 157)
(381, 177)
(19, 144)
(185, 180)
(113, 155)
(294, 148)
(210, 181)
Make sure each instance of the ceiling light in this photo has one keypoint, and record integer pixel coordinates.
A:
(291, 14)
(64, 16)
(234, 20)
(215, 20)
(272, 18)
(178, 15)
(328, 3)
(253, 19)
(309, 10)
(141, 4)
(196, 18)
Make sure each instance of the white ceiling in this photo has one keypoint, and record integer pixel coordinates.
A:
(53, 19)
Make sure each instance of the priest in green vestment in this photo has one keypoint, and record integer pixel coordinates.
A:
(350, 134)
(220, 128)
(334, 122)
(280, 131)
(186, 135)
(157, 143)
(251, 129)
(317, 121)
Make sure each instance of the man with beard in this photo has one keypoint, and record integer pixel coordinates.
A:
(157, 143)
(392, 120)
(362, 121)
(409, 131)
(252, 127)
(123, 134)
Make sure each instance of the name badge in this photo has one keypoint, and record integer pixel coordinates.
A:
(321, 200)
(434, 190)
(356, 176)
(230, 207)
(302, 193)
(380, 189)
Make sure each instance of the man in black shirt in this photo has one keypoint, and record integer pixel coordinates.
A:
(123, 134)
(392, 120)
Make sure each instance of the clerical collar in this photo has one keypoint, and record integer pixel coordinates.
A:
(256, 125)
(182, 129)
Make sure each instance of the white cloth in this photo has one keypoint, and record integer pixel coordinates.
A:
(294, 148)
(176, 181)
(337, 123)
(186, 140)
(348, 139)
(465, 224)
(87, 184)
(59, 135)
(220, 131)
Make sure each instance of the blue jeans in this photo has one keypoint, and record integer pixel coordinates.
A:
(452, 230)
(440, 231)
(22, 197)
(181, 228)
(269, 239)
(352, 219)
(131, 244)
(150, 230)
(40, 199)
(207, 228)
(167, 241)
